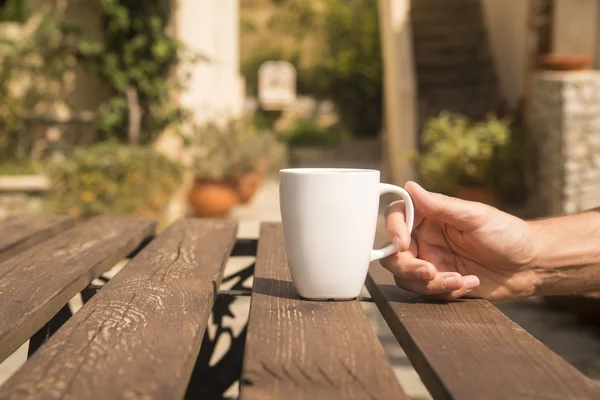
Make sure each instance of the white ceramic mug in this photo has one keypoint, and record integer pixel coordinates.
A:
(329, 219)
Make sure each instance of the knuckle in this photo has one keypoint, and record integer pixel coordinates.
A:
(396, 257)
(392, 263)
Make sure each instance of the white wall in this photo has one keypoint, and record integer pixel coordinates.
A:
(507, 30)
(574, 26)
(212, 27)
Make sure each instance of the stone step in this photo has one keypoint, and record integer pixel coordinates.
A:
(439, 60)
(424, 52)
(461, 12)
(473, 44)
(458, 31)
(454, 66)
(474, 79)
(443, 3)
(450, 6)
(444, 88)
(450, 20)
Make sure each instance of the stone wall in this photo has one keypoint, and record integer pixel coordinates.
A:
(565, 130)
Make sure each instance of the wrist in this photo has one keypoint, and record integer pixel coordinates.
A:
(539, 250)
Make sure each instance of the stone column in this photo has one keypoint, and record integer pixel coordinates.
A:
(565, 129)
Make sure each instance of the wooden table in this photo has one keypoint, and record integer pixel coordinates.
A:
(142, 334)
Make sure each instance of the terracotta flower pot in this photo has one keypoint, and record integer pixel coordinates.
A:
(573, 62)
(262, 166)
(480, 194)
(247, 186)
(212, 199)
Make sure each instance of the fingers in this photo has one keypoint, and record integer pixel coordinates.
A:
(396, 226)
(459, 213)
(445, 285)
(406, 266)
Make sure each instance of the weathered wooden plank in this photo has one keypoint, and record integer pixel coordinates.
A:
(35, 284)
(300, 349)
(140, 335)
(20, 233)
(468, 349)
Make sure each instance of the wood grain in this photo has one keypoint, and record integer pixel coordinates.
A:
(300, 349)
(140, 335)
(35, 284)
(20, 233)
(468, 349)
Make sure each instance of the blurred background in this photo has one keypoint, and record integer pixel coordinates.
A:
(175, 108)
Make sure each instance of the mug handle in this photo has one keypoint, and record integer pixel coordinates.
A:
(409, 210)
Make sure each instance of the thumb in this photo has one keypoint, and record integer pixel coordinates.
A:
(462, 214)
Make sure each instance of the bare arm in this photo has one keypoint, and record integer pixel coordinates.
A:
(568, 254)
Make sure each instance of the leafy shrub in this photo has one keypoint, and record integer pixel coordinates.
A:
(13, 10)
(351, 67)
(136, 57)
(111, 178)
(21, 168)
(306, 132)
(458, 151)
(33, 67)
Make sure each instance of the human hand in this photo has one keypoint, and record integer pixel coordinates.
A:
(460, 248)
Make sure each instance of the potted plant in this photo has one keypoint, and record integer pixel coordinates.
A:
(459, 156)
(229, 162)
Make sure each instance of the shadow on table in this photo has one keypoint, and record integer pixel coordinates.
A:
(276, 288)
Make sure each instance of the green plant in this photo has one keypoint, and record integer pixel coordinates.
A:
(136, 57)
(307, 132)
(227, 152)
(21, 168)
(459, 152)
(351, 69)
(34, 66)
(112, 178)
(13, 10)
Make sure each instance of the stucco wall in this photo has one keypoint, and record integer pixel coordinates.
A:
(574, 26)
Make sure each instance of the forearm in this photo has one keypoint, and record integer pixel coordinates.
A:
(568, 254)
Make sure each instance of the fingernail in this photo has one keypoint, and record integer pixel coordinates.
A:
(471, 282)
(397, 242)
(424, 273)
(452, 283)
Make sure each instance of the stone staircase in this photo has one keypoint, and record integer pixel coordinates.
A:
(453, 60)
